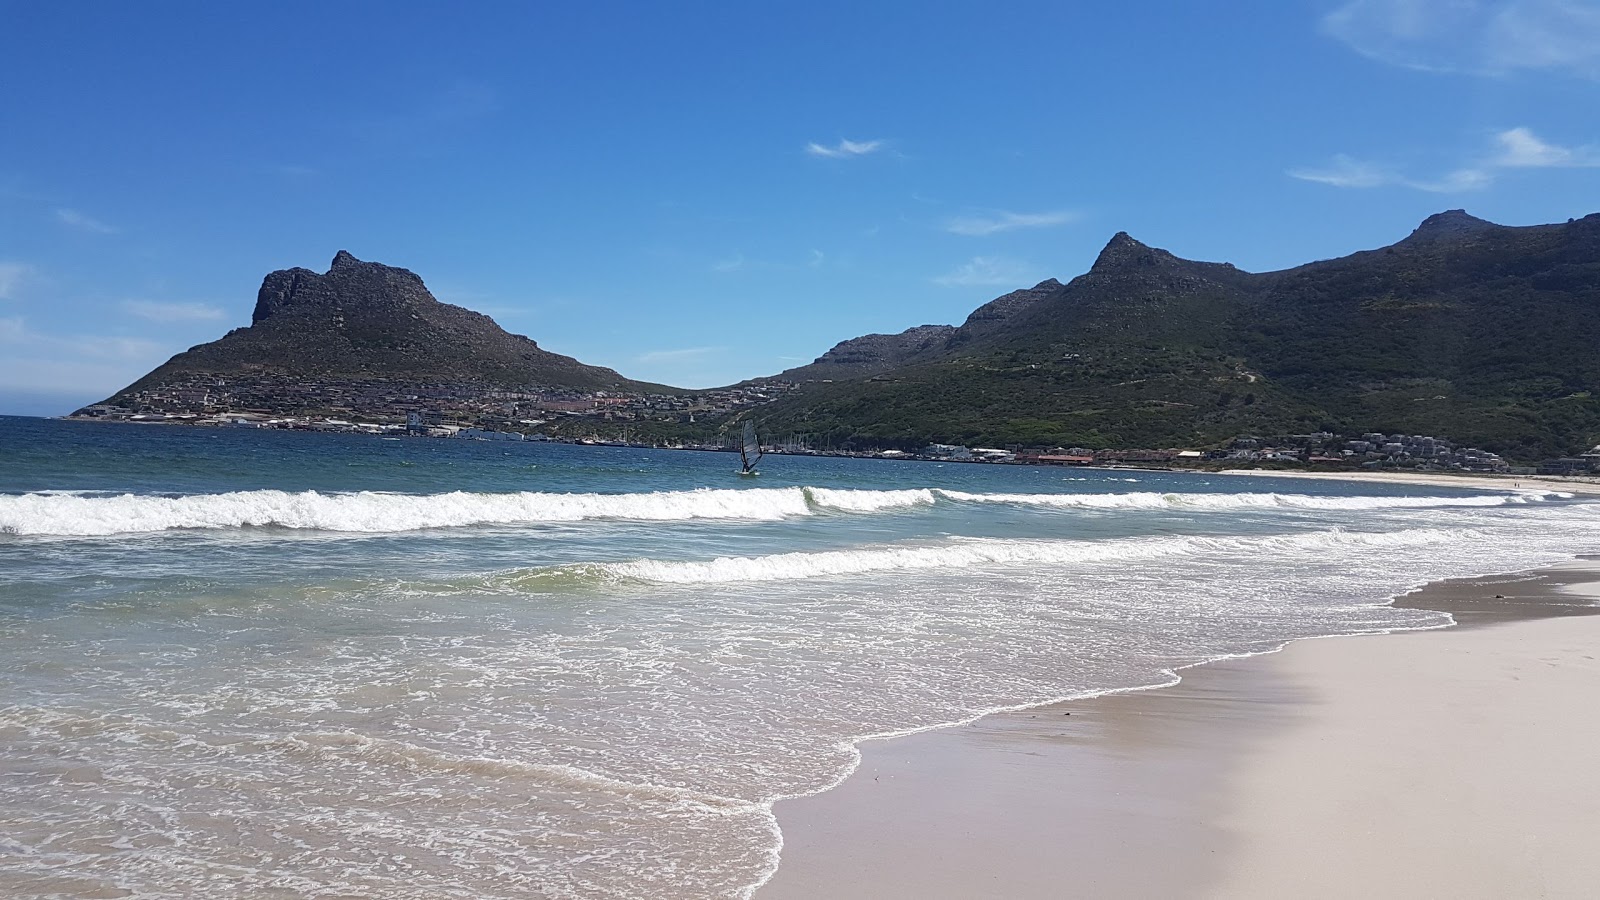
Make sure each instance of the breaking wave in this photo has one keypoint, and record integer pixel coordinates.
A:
(961, 554)
(376, 512)
(1223, 502)
(92, 514)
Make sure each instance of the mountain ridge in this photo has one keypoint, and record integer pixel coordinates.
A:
(365, 321)
(1482, 332)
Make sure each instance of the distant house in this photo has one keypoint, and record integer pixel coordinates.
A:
(1576, 465)
(1063, 459)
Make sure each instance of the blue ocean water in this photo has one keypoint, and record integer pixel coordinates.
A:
(262, 664)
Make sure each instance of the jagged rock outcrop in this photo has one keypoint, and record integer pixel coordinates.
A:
(364, 321)
(1008, 307)
(1450, 224)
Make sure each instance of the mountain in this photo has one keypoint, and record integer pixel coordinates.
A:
(869, 354)
(366, 322)
(1483, 333)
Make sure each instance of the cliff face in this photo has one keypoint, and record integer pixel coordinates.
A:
(348, 281)
(365, 321)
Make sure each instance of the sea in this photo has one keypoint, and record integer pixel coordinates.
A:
(265, 664)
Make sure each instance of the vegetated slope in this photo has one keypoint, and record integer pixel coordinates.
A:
(1487, 334)
(364, 321)
(869, 354)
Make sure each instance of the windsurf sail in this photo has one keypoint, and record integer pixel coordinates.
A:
(749, 449)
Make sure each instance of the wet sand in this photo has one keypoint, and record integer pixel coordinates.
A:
(1584, 484)
(1452, 762)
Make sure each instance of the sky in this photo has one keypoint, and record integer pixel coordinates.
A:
(697, 193)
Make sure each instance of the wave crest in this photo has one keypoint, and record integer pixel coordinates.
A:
(98, 514)
(958, 553)
(1134, 500)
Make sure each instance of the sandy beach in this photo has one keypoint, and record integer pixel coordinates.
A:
(1447, 763)
(1575, 485)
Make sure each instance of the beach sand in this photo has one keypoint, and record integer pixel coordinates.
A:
(1574, 485)
(1447, 763)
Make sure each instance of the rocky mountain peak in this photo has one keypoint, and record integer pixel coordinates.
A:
(1450, 224)
(348, 283)
(1122, 252)
(1009, 306)
(361, 322)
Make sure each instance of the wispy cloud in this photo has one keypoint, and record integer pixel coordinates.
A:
(1346, 172)
(84, 364)
(1456, 181)
(1002, 220)
(1522, 149)
(1484, 37)
(82, 222)
(172, 312)
(731, 264)
(988, 271)
(844, 149)
(1515, 148)
(15, 330)
(687, 354)
(12, 276)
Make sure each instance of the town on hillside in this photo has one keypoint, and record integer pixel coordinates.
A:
(579, 417)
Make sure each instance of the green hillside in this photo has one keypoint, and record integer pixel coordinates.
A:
(1487, 334)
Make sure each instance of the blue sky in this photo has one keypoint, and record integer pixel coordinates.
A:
(698, 193)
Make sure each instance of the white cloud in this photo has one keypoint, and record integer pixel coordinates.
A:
(172, 312)
(988, 271)
(1485, 37)
(82, 222)
(844, 149)
(1458, 181)
(12, 275)
(1520, 148)
(979, 226)
(1346, 172)
(77, 363)
(731, 264)
(688, 354)
(1515, 148)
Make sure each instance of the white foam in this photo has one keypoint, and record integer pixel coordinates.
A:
(965, 553)
(1134, 500)
(369, 511)
(869, 501)
(85, 514)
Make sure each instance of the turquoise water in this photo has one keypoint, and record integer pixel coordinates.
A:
(269, 664)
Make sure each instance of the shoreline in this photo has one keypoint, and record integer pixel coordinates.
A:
(1480, 481)
(1574, 485)
(1078, 796)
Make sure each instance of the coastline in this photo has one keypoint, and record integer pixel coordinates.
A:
(1573, 485)
(1380, 739)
